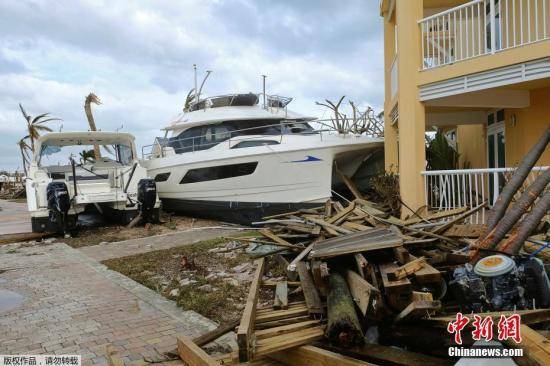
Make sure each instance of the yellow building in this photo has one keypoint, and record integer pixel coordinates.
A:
(480, 71)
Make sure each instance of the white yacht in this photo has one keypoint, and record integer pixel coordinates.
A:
(243, 156)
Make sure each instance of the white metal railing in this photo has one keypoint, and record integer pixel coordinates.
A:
(448, 189)
(482, 27)
(393, 77)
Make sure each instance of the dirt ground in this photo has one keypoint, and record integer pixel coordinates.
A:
(112, 233)
(209, 277)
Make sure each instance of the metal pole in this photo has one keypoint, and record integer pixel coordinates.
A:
(196, 91)
(263, 78)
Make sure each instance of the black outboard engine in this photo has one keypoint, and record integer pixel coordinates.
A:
(59, 203)
(147, 197)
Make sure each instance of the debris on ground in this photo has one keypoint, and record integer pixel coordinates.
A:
(364, 286)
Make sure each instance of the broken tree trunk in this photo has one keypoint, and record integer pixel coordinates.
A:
(514, 244)
(343, 326)
(514, 214)
(516, 181)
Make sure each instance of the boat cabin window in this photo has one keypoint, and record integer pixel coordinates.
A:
(218, 172)
(55, 155)
(254, 143)
(205, 137)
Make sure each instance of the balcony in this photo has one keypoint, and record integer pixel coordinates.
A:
(482, 27)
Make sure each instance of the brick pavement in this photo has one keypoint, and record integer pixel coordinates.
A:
(74, 304)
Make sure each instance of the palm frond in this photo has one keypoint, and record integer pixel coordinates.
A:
(47, 120)
(27, 117)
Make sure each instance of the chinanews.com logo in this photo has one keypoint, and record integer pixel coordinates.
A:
(508, 328)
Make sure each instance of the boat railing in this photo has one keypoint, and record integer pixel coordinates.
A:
(158, 148)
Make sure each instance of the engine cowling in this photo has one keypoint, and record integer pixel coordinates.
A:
(147, 196)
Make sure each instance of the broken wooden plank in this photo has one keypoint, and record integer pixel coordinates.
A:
(363, 293)
(311, 294)
(436, 215)
(398, 293)
(340, 216)
(459, 218)
(328, 226)
(319, 276)
(388, 355)
(349, 183)
(278, 241)
(407, 269)
(464, 231)
(402, 255)
(315, 356)
(216, 333)
(355, 226)
(374, 239)
(536, 348)
(246, 327)
(418, 309)
(281, 314)
(361, 263)
(281, 322)
(192, 354)
(284, 329)
(427, 274)
(281, 296)
(270, 345)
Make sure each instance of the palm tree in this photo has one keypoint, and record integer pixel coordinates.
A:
(24, 148)
(36, 125)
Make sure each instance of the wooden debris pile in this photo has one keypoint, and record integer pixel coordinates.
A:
(353, 269)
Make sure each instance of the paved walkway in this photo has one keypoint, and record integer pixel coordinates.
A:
(125, 248)
(14, 218)
(75, 305)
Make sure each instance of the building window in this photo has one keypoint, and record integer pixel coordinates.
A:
(162, 177)
(218, 172)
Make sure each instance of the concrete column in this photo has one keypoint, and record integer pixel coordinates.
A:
(412, 118)
(390, 132)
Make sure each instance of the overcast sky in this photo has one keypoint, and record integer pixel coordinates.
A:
(137, 56)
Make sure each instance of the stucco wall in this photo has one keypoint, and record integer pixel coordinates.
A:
(530, 123)
(471, 146)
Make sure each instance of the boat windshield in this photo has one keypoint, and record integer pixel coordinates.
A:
(53, 154)
(207, 136)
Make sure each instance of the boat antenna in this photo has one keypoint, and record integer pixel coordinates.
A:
(195, 72)
(263, 79)
(208, 72)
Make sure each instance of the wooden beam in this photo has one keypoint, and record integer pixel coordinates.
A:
(192, 354)
(435, 216)
(418, 309)
(311, 294)
(341, 215)
(281, 314)
(328, 226)
(426, 274)
(290, 340)
(279, 241)
(281, 296)
(398, 293)
(284, 329)
(407, 269)
(361, 263)
(349, 183)
(310, 355)
(363, 293)
(246, 327)
(216, 333)
(535, 347)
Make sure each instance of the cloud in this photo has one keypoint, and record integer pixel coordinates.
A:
(138, 57)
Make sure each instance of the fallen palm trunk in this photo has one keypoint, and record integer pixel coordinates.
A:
(514, 244)
(514, 214)
(510, 189)
(343, 326)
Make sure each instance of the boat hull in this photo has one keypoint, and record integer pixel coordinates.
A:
(286, 177)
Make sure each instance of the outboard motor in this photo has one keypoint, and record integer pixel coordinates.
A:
(59, 203)
(498, 283)
(147, 197)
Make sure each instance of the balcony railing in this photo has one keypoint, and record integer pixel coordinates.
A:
(482, 27)
(449, 189)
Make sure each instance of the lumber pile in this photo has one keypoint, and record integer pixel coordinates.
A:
(353, 270)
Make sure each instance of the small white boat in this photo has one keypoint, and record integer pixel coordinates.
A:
(72, 171)
(232, 158)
